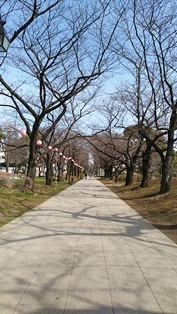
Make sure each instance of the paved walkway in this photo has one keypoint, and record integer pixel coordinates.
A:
(85, 251)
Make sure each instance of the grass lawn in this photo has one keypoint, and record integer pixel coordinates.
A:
(14, 201)
(160, 210)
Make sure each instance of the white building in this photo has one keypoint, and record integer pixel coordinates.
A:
(2, 155)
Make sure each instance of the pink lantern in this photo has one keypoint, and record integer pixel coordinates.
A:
(39, 143)
(49, 147)
(55, 149)
(22, 132)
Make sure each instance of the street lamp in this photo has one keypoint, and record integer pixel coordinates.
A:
(4, 41)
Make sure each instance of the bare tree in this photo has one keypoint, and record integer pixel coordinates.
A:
(121, 143)
(149, 50)
(64, 133)
(56, 52)
(158, 27)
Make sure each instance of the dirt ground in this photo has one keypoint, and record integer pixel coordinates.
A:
(159, 210)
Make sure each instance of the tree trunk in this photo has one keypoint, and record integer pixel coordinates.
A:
(68, 171)
(129, 176)
(7, 163)
(31, 172)
(116, 178)
(59, 172)
(106, 170)
(32, 162)
(167, 161)
(111, 172)
(167, 174)
(146, 165)
(49, 175)
(49, 170)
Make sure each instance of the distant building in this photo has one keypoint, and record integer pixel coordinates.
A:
(100, 172)
(2, 155)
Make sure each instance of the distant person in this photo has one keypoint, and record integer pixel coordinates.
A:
(85, 175)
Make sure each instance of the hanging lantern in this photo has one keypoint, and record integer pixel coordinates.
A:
(55, 149)
(39, 143)
(23, 132)
(49, 147)
(61, 154)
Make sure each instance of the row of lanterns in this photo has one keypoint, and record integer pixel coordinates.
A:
(39, 143)
(64, 157)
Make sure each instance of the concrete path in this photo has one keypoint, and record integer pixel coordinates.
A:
(85, 251)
